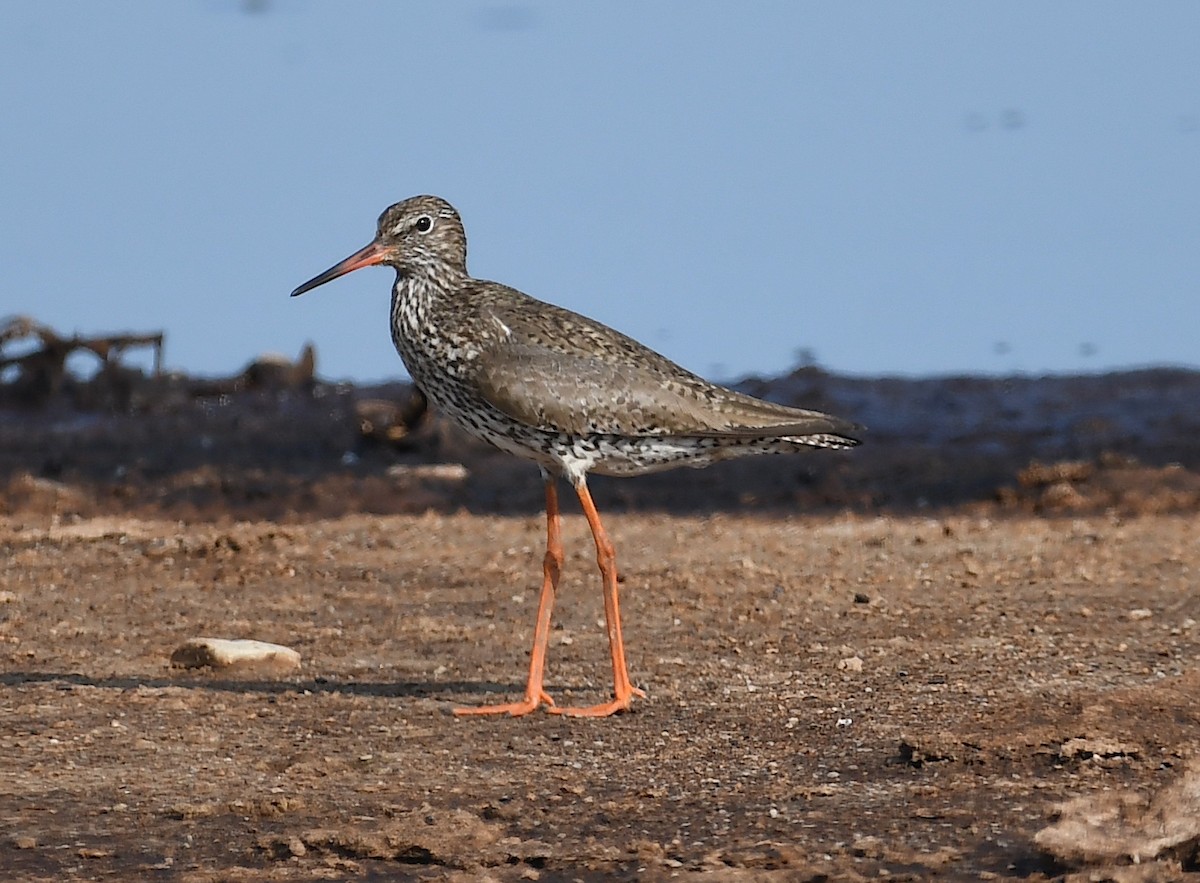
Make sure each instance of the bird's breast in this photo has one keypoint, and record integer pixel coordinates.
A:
(439, 355)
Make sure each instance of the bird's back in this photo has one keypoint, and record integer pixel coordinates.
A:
(551, 368)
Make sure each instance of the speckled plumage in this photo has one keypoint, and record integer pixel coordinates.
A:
(543, 382)
(556, 387)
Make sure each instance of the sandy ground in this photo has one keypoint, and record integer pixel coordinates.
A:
(836, 697)
(966, 650)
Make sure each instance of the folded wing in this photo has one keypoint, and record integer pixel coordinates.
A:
(559, 385)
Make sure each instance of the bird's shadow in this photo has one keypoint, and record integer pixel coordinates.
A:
(393, 689)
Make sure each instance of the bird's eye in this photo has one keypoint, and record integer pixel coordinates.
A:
(424, 224)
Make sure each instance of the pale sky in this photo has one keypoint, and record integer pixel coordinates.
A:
(907, 188)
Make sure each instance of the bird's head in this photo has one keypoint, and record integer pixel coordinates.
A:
(422, 234)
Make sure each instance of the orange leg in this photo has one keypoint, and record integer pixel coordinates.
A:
(606, 557)
(535, 695)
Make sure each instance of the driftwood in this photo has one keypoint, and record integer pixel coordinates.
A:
(34, 374)
(270, 371)
(34, 371)
(35, 377)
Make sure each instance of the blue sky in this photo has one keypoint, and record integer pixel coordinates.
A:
(895, 187)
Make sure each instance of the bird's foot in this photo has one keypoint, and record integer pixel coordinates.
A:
(529, 704)
(622, 702)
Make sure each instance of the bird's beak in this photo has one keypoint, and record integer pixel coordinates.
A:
(375, 253)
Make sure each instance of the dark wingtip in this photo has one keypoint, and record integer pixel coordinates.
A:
(847, 430)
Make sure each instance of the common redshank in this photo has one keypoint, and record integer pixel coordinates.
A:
(567, 392)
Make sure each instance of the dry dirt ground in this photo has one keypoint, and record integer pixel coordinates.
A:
(841, 697)
(966, 650)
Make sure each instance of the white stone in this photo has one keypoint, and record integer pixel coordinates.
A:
(225, 652)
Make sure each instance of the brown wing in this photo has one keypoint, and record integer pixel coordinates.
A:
(565, 390)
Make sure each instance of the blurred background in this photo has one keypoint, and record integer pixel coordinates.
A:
(878, 188)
